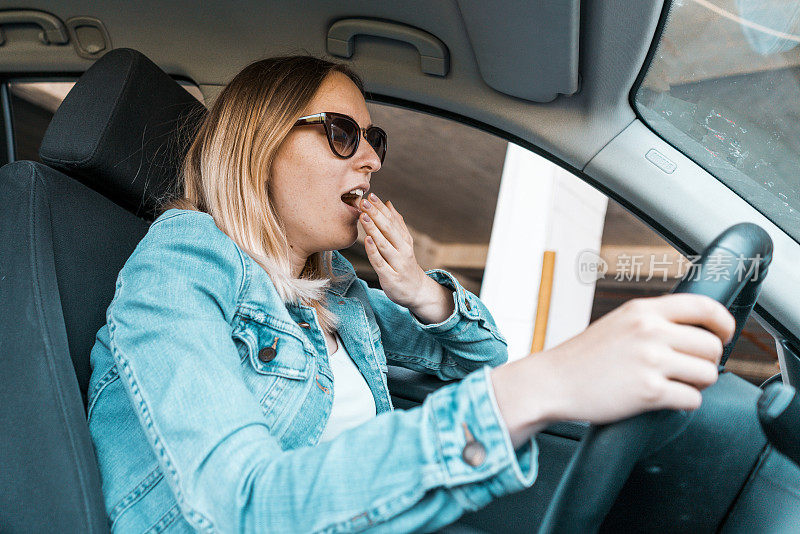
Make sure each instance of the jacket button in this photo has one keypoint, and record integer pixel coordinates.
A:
(267, 354)
(474, 453)
(466, 303)
(304, 324)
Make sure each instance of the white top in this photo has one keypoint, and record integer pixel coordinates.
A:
(353, 403)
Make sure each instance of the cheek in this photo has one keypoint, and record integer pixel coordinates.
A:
(293, 172)
(304, 183)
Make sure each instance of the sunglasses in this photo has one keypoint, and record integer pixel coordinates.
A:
(344, 134)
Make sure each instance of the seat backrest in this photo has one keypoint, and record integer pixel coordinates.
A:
(111, 155)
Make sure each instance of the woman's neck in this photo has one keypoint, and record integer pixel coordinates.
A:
(298, 260)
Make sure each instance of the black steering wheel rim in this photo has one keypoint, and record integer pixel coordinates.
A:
(607, 453)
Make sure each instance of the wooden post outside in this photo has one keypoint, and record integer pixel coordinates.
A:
(543, 304)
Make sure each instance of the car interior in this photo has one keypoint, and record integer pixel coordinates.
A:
(560, 79)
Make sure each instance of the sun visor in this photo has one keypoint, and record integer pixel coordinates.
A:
(525, 49)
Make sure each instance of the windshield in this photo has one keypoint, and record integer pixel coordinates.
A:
(722, 87)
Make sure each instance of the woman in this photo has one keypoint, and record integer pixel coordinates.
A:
(212, 403)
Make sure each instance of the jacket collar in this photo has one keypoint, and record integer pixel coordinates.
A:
(345, 272)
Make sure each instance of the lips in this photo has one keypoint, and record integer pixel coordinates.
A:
(353, 210)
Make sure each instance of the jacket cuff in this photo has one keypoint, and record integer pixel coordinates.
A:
(492, 468)
(465, 305)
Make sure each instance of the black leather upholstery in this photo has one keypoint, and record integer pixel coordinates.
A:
(62, 245)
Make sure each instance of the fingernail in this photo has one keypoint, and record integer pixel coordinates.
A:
(372, 197)
(367, 205)
(365, 217)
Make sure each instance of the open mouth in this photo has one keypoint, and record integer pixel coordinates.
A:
(353, 198)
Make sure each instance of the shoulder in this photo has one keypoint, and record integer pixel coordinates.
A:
(185, 249)
(193, 231)
(184, 220)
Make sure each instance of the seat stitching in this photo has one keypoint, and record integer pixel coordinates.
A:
(58, 393)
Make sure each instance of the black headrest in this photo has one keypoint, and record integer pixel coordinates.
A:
(123, 130)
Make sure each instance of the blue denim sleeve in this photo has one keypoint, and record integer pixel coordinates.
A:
(402, 471)
(458, 345)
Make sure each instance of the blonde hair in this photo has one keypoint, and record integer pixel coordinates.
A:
(226, 172)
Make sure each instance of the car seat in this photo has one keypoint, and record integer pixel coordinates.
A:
(111, 154)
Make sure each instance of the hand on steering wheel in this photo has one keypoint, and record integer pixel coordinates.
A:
(608, 452)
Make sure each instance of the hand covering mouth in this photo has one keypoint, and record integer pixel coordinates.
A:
(353, 197)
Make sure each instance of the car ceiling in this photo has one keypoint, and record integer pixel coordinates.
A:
(209, 42)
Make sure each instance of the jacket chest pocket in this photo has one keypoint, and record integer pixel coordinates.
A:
(274, 366)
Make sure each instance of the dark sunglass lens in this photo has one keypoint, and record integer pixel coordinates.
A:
(377, 139)
(344, 135)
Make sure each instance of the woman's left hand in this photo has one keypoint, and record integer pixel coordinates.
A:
(390, 250)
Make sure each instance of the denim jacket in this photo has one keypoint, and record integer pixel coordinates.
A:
(197, 427)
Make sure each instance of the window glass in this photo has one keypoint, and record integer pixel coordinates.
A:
(447, 180)
(32, 106)
(723, 88)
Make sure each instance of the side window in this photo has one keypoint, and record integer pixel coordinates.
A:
(31, 105)
(543, 250)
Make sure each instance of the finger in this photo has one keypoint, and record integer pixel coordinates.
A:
(687, 308)
(693, 341)
(379, 205)
(401, 224)
(397, 217)
(384, 246)
(680, 396)
(690, 370)
(383, 222)
(380, 265)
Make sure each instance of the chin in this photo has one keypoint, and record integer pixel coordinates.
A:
(350, 242)
(347, 242)
(353, 242)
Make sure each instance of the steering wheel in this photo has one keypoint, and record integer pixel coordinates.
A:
(730, 270)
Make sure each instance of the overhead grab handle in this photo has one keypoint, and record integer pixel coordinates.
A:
(433, 53)
(53, 30)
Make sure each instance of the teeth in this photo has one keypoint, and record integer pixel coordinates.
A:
(353, 197)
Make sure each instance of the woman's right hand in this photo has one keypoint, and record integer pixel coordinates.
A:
(648, 354)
